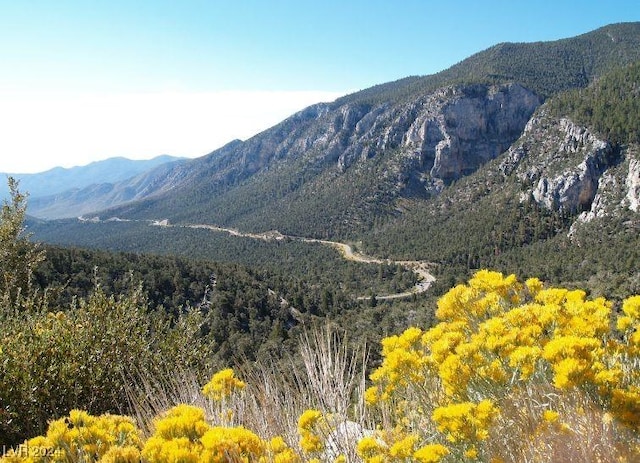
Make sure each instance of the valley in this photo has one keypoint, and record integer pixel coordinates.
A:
(420, 268)
(493, 206)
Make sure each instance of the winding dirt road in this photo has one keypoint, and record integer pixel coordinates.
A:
(420, 268)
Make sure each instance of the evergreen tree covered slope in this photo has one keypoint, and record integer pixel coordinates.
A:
(334, 169)
(480, 172)
(562, 201)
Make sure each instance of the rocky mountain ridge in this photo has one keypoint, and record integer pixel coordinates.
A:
(338, 169)
(563, 171)
(335, 168)
(443, 135)
(419, 147)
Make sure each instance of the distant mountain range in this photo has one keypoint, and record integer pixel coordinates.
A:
(50, 191)
(485, 160)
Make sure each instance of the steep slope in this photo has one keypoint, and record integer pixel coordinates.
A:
(350, 163)
(338, 168)
(562, 202)
(423, 178)
(544, 67)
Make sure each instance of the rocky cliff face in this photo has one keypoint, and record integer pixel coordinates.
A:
(559, 163)
(443, 135)
(464, 128)
(423, 143)
(575, 187)
(632, 182)
(351, 158)
(564, 166)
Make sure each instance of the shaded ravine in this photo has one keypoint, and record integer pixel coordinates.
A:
(420, 268)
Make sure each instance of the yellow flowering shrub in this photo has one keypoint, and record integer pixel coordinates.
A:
(431, 453)
(82, 437)
(183, 434)
(231, 444)
(177, 436)
(465, 421)
(371, 450)
(222, 385)
(495, 338)
(310, 425)
(512, 371)
(279, 452)
(629, 324)
(399, 448)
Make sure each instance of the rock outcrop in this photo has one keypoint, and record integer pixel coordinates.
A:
(565, 169)
(632, 183)
(424, 143)
(432, 139)
(442, 136)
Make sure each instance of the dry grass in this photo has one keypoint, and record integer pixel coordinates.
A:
(583, 431)
(324, 375)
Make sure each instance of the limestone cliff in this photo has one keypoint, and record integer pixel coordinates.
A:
(564, 166)
(559, 163)
(632, 182)
(440, 136)
(443, 135)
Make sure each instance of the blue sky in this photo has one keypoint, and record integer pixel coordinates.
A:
(82, 80)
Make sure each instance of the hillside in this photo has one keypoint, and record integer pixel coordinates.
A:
(524, 158)
(546, 68)
(484, 164)
(562, 202)
(100, 194)
(62, 180)
(335, 169)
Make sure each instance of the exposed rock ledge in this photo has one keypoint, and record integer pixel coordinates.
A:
(441, 136)
(567, 170)
(633, 185)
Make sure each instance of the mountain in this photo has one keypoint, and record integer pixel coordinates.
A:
(334, 169)
(80, 201)
(62, 192)
(496, 161)
(562, 202)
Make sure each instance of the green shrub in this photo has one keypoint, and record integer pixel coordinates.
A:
(90, 356)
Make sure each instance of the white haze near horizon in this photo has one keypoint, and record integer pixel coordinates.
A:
(45, 130)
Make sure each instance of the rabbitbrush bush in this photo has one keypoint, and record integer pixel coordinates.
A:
(513, 372)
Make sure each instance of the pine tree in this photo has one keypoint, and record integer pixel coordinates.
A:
(18, 255)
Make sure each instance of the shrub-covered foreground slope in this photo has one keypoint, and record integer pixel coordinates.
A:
(513, 371)
(92, 329)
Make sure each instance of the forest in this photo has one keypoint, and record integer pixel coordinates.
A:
(103, 324)
(124, 340)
